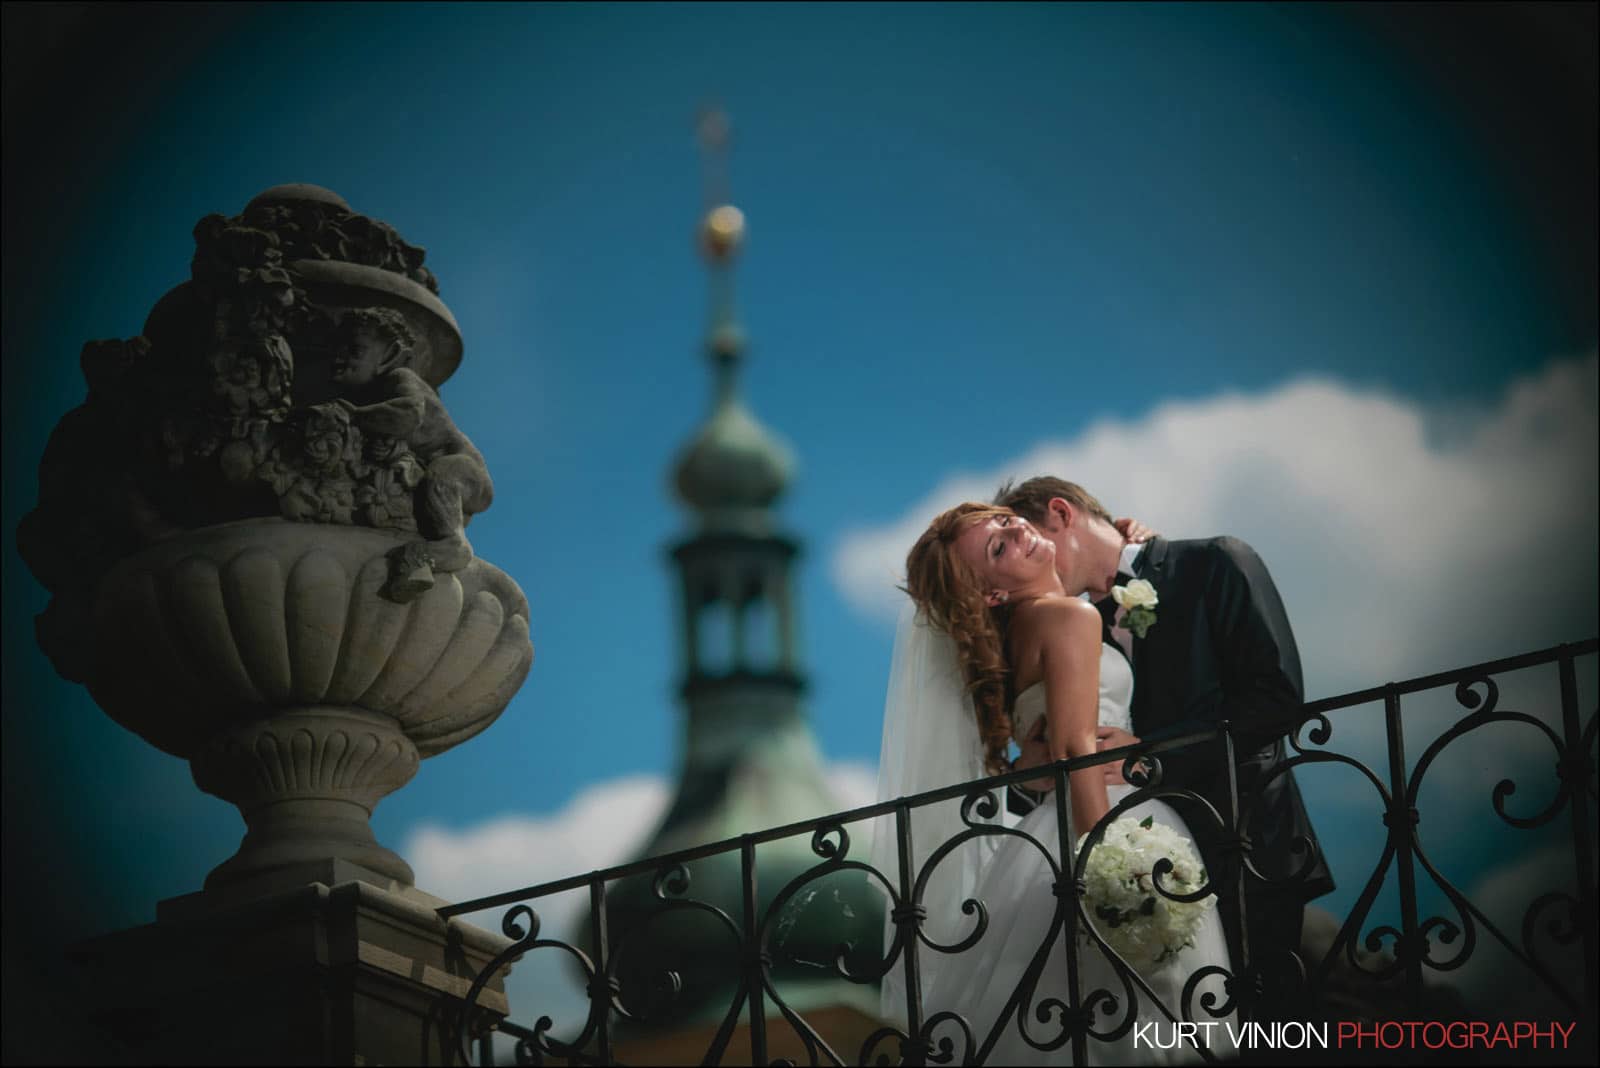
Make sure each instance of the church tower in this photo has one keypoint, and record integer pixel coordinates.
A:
(741, 681)
(749, 761)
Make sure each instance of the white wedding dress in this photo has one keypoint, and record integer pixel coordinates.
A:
(1015, 888)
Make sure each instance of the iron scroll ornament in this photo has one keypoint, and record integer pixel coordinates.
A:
(1555, 917)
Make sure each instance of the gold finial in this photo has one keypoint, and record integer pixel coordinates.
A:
(721, 232)
(722, 228)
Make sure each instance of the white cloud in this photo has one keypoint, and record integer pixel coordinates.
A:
(603, 825)
(1403, 540)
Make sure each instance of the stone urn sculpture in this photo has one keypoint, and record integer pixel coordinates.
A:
(254, 532)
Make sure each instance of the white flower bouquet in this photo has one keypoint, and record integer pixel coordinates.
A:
(1144, 927)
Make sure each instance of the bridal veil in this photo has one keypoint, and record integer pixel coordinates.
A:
(930, 740)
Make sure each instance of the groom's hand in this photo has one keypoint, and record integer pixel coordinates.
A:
(1114, 738)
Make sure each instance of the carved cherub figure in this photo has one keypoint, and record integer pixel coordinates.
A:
(389, 400)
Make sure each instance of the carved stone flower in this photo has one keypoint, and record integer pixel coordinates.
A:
(314, 500)
(385, 498)
(331, 443)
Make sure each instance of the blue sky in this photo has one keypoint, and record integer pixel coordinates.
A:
(1229, 264)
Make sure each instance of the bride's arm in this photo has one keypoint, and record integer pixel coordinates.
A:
(1069, 648)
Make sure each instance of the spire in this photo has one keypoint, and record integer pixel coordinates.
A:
(734, 469)
(749, 759)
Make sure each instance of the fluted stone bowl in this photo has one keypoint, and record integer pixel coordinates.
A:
(262, 652)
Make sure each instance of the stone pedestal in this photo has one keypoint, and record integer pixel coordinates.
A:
(329, 966)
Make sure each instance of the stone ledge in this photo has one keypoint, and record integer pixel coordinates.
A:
(327, 883)
(348, 973)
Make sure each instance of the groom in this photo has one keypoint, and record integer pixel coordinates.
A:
(1220, 648)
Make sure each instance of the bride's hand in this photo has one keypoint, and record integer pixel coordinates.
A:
(1135, 531)
(1114, 738)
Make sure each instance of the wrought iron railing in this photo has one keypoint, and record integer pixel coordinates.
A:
(1397, 961)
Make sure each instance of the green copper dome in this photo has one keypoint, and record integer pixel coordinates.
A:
(734, 463)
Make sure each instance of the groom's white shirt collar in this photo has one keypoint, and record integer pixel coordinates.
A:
(1130, 554)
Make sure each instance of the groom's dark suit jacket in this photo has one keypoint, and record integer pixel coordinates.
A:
(1221, 649)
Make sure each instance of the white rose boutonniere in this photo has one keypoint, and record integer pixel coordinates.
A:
(1138, 601)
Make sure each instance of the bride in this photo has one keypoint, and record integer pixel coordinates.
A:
(996, 653)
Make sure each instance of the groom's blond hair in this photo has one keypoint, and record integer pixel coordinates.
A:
(1031, 499)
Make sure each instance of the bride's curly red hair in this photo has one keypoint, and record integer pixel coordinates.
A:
(950, 596)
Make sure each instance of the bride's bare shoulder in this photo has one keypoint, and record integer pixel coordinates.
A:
(1053, 611)
(1049, 621)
